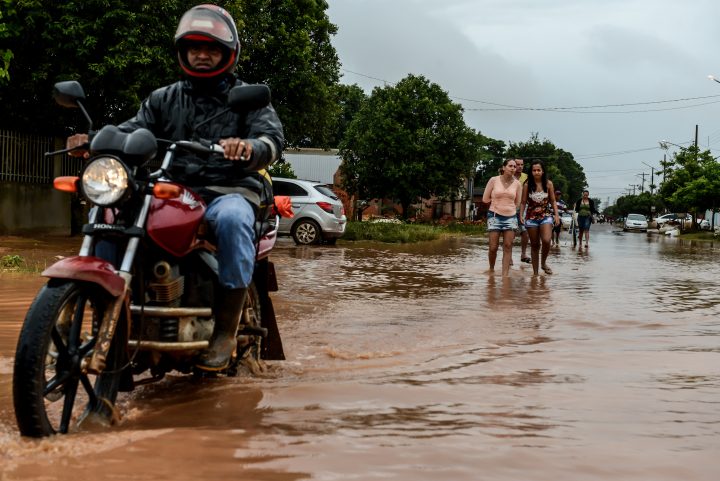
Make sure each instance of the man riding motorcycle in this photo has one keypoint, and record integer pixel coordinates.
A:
(236, 187)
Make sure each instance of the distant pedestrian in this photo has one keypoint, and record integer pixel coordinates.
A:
(522, 177)
(585, 208)
(503, 192)
(562, 207)
(540, 213)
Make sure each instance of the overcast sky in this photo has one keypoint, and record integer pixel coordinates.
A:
(553, 54)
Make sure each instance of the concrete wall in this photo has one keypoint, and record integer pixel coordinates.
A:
(314, 164)
(26, 208)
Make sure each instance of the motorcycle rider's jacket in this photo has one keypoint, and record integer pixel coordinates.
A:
(179, 112)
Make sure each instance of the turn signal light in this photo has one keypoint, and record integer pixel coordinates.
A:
(66, 183)
(326, 206)
(163, 190)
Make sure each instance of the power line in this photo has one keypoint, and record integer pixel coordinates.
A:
(575, 109)
(610, 154)
(564, 109)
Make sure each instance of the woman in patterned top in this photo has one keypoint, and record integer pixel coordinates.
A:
(540, 214)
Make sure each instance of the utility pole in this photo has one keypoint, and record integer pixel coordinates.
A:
(652, 180)
(642, 187)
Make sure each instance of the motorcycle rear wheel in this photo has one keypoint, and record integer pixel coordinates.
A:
(55, 344)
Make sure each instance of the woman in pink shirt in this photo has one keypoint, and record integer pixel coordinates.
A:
(503, 193)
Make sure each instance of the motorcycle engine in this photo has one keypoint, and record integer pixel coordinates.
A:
(168, 286)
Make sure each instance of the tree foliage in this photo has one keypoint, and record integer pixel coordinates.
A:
(350, 99)
(636, 204)
(7, 29)
(692, 181)
(288, 46)
(121, 50)
(566, 174)
(492, 154)
(283, 169)
(408, 141)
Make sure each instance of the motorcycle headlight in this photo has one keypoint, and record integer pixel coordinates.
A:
(105, 181)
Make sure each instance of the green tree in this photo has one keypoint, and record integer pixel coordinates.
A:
(408, 141)
(7, 27)
(121, 50)
(287, 45)
(692, 181)
(561, 167)
(492, 154)
(637, 204)
(282, 169)
(350, 99)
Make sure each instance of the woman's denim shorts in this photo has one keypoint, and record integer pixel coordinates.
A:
(500, 223)
(530, 223)
(584, 222)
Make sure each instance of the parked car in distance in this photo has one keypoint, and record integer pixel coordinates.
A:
(704, 224)
(635, 222)
(566, 219)
(674, 218)
(319, 214)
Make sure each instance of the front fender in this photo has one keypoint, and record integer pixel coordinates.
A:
(88, 269)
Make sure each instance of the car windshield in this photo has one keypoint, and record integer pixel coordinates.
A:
(325, 190)
(636, 217)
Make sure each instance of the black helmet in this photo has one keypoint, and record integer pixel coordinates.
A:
(208, 23)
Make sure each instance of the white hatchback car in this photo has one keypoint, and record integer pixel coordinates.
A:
(672, 218)
(635, 222)
(319, 213)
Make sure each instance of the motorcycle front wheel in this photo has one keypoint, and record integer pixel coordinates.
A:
(249, 345)
(52, 390)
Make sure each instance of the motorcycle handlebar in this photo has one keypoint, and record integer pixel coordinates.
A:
(201, 148)
(198, 148)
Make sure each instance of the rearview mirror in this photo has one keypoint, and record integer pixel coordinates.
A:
(68, 93)
(249, 97)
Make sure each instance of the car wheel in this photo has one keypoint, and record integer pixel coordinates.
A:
(306, 232)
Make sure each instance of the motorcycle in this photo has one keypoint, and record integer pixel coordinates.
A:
(135, 303)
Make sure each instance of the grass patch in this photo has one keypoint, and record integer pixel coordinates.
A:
(406, 233)
(702, 236)
(12, 262)
(18, 263)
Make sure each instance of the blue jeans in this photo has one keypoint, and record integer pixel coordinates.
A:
(232, 219)
(584, 222)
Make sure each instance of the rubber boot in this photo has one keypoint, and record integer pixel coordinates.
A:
(227, 309)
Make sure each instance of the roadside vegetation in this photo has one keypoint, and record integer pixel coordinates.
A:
(398, 232)
(12, 263)
(699, 235)
(689, 182)
(30, 265)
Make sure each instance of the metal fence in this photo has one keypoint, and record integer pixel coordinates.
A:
(22, 160)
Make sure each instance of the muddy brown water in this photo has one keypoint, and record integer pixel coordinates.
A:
(413, 363)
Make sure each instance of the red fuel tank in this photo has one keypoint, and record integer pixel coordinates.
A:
(173, 223)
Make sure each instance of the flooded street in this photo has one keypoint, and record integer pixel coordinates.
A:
(411, 362)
